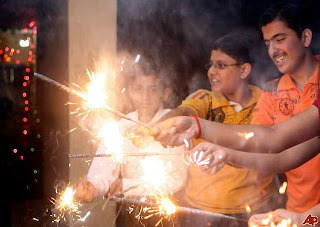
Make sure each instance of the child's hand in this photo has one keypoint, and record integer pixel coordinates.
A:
(115, 188)
(84, 191)
(175, 130)
(209, 157)
(275, 217)
(139, 136)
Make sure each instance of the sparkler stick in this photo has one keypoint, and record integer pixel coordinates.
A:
(74, 92)
(178, 208)
(125, 155)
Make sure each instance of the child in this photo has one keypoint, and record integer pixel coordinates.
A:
(231, 101)
(147, 92)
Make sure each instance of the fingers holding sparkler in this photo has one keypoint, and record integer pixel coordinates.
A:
(173, 131)
(84, 191)
(209, 157)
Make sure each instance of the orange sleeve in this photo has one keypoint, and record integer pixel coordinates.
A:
(263, 112)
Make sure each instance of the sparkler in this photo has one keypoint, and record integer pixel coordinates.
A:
(171, 208)
(85, 97)
(124, 154)
(66, 204)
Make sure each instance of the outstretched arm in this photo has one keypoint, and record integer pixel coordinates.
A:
(295, 130)
(267, 163)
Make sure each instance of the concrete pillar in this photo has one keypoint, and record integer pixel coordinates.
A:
(92, 39)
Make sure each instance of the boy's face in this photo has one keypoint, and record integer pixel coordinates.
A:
(285, 48)
(146, 94)
(224, 77)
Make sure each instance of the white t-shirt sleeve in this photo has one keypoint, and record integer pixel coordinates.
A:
(103, 172)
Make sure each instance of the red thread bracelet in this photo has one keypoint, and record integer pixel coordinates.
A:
(198, 123)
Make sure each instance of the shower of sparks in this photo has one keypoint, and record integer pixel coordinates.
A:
(283, 188)
(137, 58)
(165, 209)
(94, 96)
(113, 140)
(65, 204)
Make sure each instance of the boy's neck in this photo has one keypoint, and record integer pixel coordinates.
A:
(242, 95)
(146, 117)
(304, 73)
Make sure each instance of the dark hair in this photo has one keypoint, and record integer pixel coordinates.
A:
(147, 67)
(293, 14)
(236, 46)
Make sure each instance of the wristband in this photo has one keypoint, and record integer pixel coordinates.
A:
(198, 123)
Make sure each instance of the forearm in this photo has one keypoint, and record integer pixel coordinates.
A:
(240, 137)
(275, 163)
(257, 138)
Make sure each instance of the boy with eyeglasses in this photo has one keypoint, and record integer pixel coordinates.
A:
(234, 190)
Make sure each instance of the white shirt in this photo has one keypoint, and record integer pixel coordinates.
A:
(103, 171)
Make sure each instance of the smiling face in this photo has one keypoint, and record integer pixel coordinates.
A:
(285, 48)
(226, 79)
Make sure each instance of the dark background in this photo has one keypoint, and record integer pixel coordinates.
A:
(176, 33)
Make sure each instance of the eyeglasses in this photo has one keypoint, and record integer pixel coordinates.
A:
(219, 66)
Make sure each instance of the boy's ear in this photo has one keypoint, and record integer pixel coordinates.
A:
(306, 37)
(245, 70)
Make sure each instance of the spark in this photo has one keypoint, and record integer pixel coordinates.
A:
(246, 135)
(85, 217)
(283, 188)
(35, 219)
(249, 135)
(186, 143)
(248, 208)
(137, 58)
(71, 130)
(123, 90)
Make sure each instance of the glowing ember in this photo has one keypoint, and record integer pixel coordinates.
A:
(167, 206)
(66, 201)
(165, 209)
(66, 204)
(283, 188)
(96, 95)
